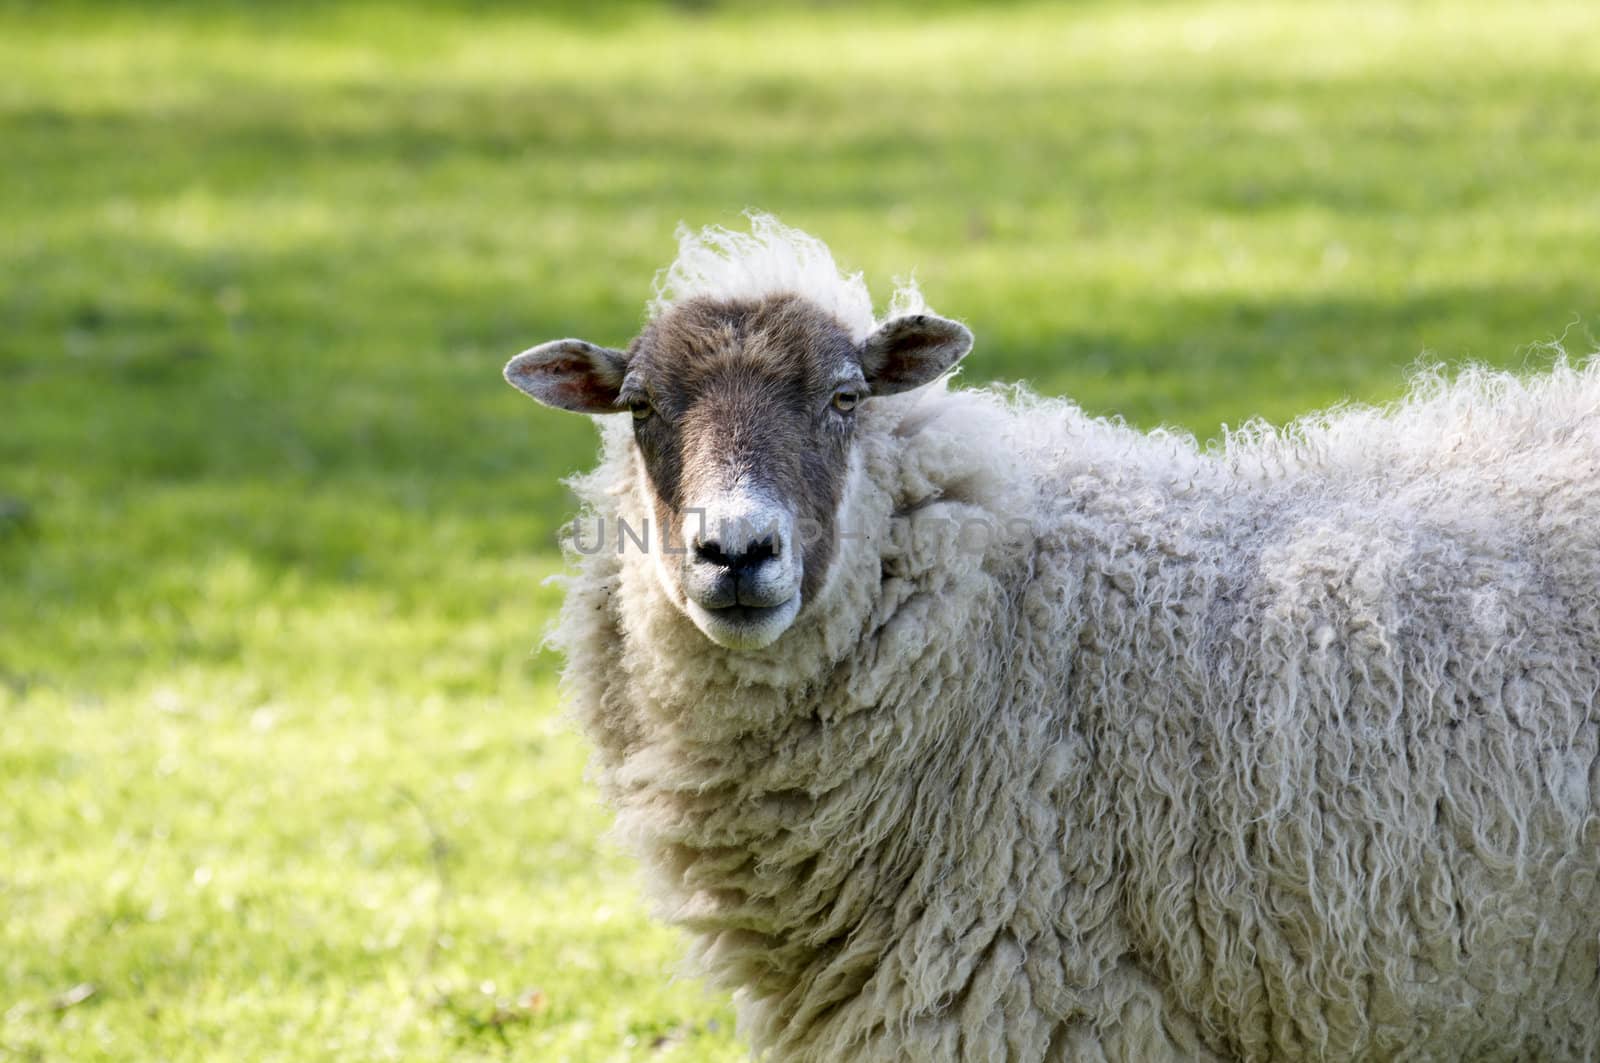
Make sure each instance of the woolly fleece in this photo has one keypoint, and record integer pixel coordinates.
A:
(1286, 748)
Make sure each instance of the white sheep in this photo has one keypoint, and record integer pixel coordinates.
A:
(960, 725)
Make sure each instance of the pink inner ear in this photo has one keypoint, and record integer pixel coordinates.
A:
(569, 382)
(588, 391)
(908, 357)
(903, 361)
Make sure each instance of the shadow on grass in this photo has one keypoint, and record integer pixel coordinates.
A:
(701, 147)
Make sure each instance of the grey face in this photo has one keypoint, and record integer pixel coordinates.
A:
(743, 413)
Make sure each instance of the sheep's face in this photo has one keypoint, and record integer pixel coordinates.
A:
(743, 415)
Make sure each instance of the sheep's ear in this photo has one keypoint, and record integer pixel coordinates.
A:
(570, 375)
(907, 352)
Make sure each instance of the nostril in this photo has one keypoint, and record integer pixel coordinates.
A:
(761, 550)
(711, 552)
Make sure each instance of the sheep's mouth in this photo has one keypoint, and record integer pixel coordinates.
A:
(747, 614)
(745, 627)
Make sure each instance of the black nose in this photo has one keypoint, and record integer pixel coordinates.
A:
(754, 553)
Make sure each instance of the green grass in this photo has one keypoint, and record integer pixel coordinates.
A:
(282, 774)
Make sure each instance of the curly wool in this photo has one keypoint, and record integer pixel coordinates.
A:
(1287, 748)
(722, 264)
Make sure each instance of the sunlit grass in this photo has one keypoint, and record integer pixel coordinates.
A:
(283, 771)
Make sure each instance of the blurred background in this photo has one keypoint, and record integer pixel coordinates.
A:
(282, 770)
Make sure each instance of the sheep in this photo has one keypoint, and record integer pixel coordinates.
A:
(962, 725)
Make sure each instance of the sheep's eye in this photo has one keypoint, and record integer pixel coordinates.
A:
(641, 409)
(845, 401)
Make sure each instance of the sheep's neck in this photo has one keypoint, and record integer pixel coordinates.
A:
(802, 852)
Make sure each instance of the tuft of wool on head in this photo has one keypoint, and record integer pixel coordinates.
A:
(772, 259)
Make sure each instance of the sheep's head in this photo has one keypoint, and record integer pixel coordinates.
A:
(744, 413)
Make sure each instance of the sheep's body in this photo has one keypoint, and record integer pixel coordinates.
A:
(1284, 750)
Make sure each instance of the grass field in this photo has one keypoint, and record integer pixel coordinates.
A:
(282, 774)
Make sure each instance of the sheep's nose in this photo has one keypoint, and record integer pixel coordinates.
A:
(737, 553)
